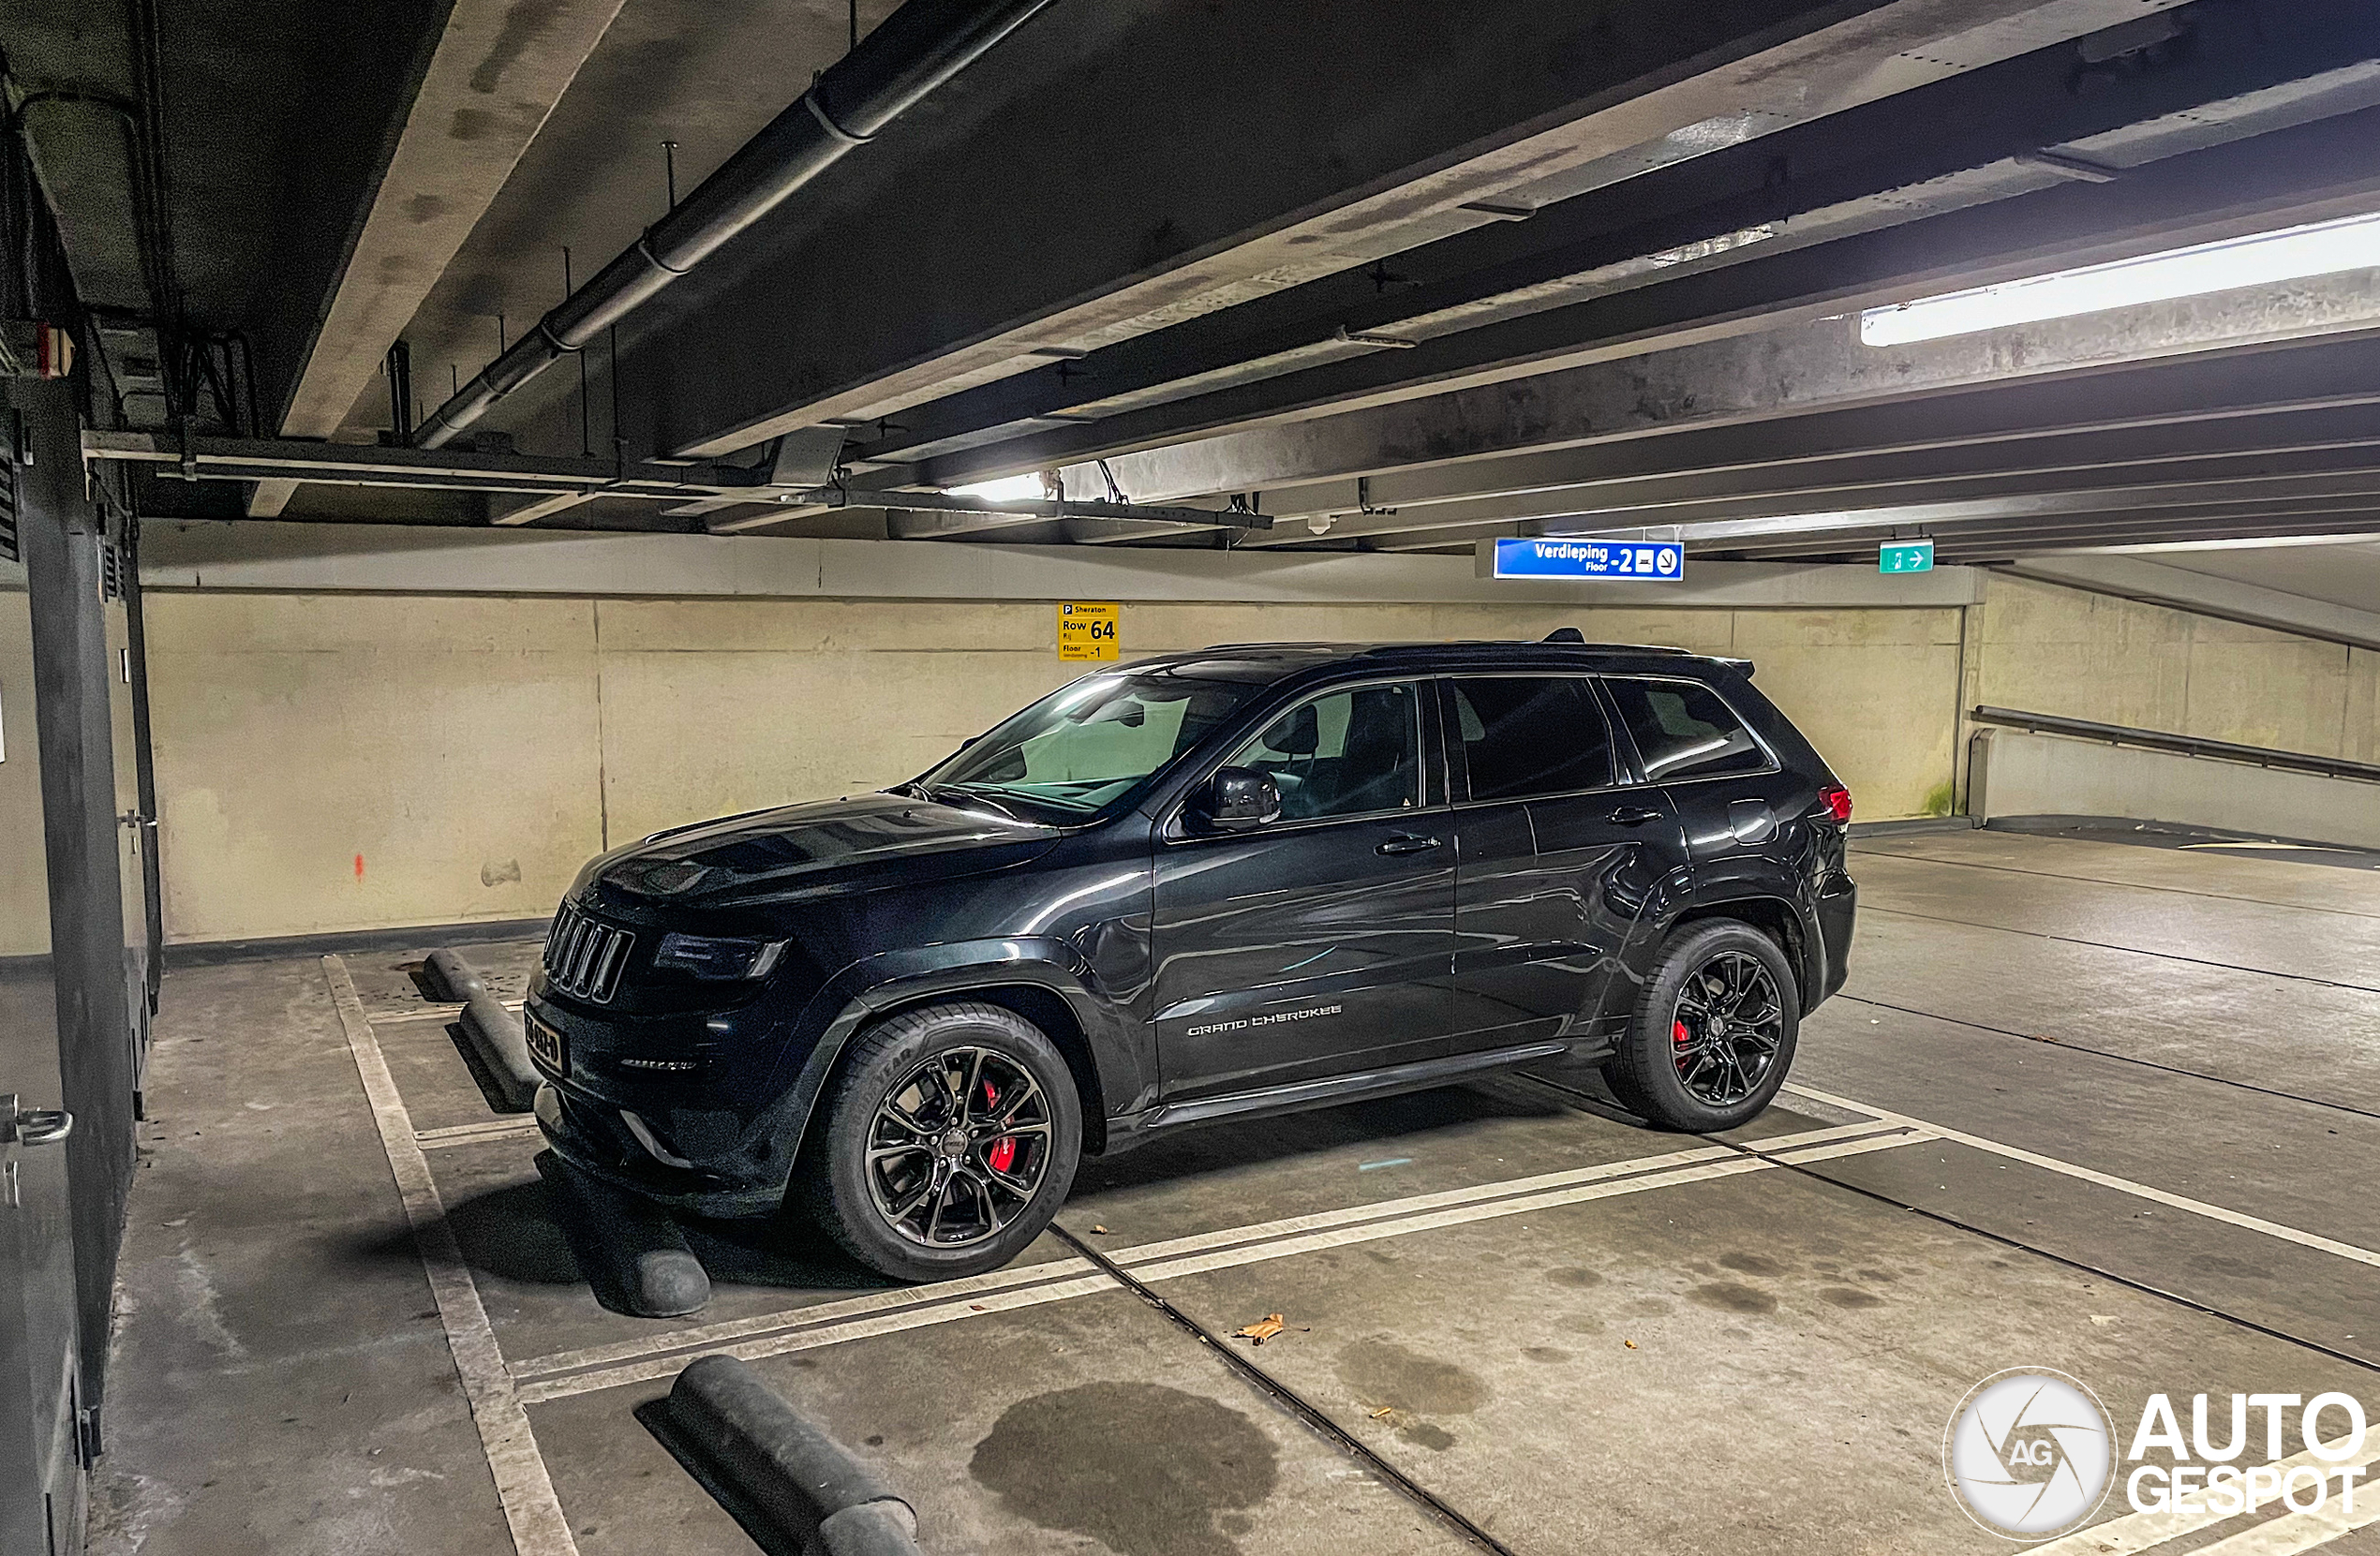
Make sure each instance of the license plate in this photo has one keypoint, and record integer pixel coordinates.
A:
(546, 1045)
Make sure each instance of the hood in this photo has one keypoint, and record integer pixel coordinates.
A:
(798, 850)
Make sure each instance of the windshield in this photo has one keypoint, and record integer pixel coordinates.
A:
(1090, 744)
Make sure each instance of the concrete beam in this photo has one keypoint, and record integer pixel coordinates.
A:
(2024, 493)
(1992, 541)
(498, 71)
(1350, 144)
(1814, 366)
(2317, 172)
(381, 558)
(1967, 141)
(2237, 403)
(2328, 440)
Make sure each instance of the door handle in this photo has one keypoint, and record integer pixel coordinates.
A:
(32, 1126)
(40, 1126)
(1407, 842)
(1632, 815)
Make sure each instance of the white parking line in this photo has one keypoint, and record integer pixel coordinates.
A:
(1855, 1148)
(2106, 1180)
(583, 1372)
(2139, 1531)
(445, 1010)
(829, 1334)
(1432, 1221)
(699, 1336)
(471, 1134)
(2292, 1532)
(525, 1492)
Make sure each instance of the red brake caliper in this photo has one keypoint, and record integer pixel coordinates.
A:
(1679, 1035)
(1003, 1154)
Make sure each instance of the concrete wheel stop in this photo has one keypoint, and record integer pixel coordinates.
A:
(451, 976)
(632, 1254)
(796, 1490)
(497, 1044)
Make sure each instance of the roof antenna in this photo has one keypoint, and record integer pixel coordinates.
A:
(1565, 634)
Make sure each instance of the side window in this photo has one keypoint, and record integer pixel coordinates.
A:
(1683, 730)
(1346, 753)
(1531, 734)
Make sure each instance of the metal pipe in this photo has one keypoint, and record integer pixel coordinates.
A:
(914, 51)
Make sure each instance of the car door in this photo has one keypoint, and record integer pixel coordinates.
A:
(1556, 858)
(1734, 798)
(1320, 944)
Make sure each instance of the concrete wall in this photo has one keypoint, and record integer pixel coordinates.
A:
(333, 760)
(2016, 773)
(2045, 648)
(471, 751)
(344, 761)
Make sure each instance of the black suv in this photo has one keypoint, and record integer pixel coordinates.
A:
(1211, 886)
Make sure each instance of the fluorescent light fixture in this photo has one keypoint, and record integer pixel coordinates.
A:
(1024, 488)
(2292, 254)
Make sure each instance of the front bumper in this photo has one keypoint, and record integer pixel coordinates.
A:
(725, 1122)
(592, 1137)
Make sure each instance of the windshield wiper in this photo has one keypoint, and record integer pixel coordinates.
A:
(941, 795)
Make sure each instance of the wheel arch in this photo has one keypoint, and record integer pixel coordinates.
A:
(1048, 993)
(1777, 918)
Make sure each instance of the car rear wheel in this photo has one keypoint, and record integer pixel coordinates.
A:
(945, 1143)
(1713, 1033)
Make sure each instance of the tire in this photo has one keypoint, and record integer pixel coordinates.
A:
(1705, 978)
(941, 1197)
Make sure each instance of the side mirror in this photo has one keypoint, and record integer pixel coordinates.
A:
(1239, 799)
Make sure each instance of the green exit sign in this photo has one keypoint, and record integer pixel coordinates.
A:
(1906, 556)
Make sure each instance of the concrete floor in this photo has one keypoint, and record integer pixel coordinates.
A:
(1728, 1354)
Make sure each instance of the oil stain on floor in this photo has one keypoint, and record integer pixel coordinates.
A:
(1405, 1387)
(1147, 1470)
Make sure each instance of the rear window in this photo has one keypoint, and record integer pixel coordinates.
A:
(1685, 729)
(1531, 734)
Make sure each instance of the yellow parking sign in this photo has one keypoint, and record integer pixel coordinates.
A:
(1087, 629)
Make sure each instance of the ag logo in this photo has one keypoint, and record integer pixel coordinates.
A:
(2030, 1453)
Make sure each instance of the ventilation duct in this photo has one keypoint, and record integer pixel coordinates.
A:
(915, 51)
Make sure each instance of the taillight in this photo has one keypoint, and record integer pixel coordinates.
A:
(1838, 802)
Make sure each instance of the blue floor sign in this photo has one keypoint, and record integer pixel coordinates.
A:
(1654, 560)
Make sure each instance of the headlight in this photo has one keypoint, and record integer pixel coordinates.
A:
(721, 960)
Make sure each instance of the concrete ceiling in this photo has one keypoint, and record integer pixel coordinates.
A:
(1402, 280)
(2341, 573)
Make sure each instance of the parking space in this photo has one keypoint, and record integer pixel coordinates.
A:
(2104, 1110)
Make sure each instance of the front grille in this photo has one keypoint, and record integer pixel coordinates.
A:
(584, 956)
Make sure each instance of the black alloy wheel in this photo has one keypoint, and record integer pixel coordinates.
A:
(1713, 1030)
(958, 1148)
(944, 1142)
(1726, 1026)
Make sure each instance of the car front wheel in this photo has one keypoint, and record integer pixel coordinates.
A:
(945, 1143)
(1713, 1033)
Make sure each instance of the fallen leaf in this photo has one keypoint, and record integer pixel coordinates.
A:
(1101, 1230)
(1629, 1344)
(1384, 1412)
(978, 1307)
(1266, 1327)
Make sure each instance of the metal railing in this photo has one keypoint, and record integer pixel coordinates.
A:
(2185, 745)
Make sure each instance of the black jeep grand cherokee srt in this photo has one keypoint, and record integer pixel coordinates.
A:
(1210, 885)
